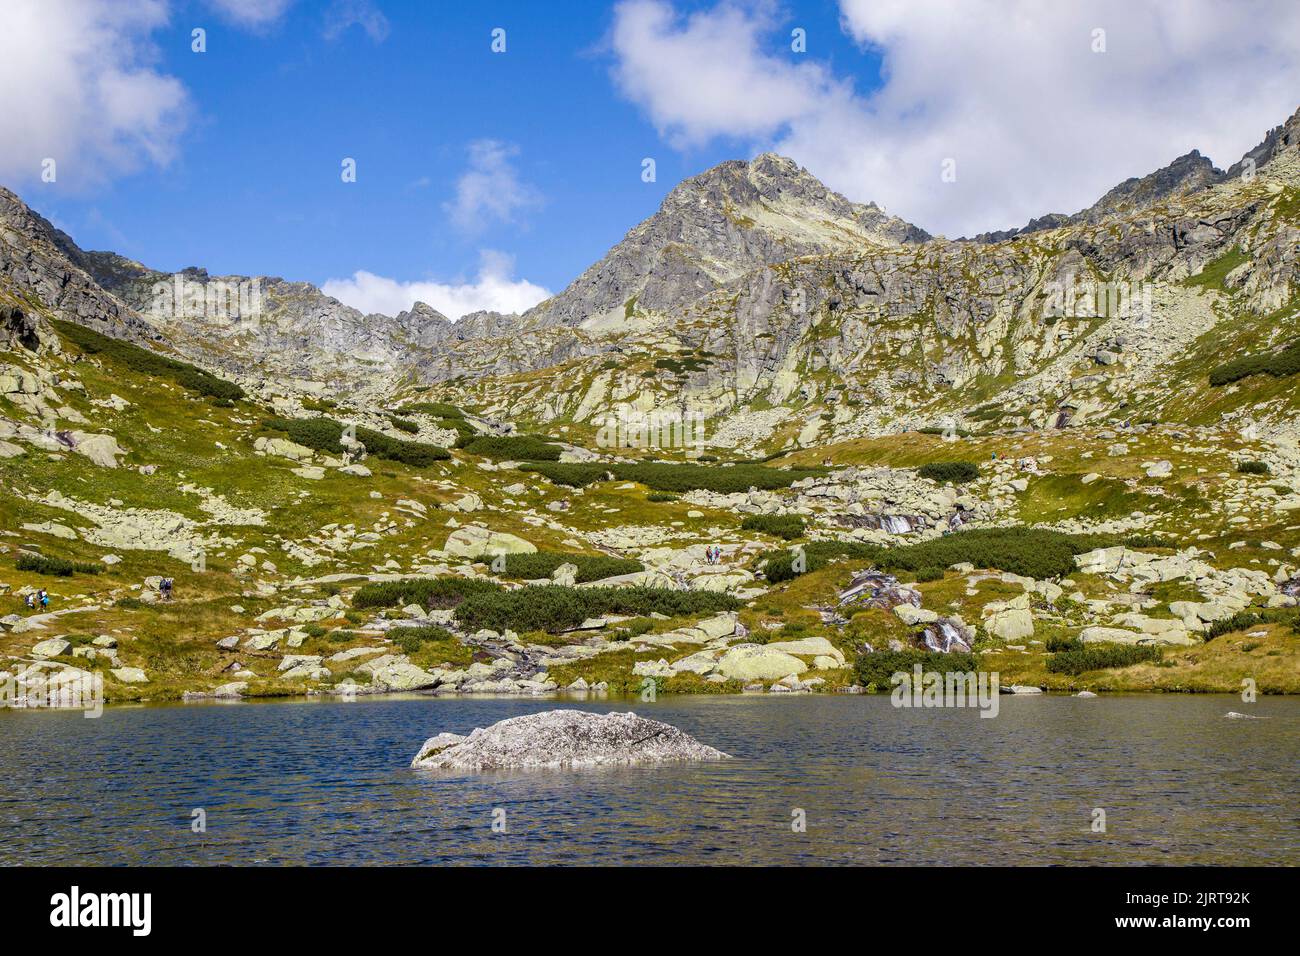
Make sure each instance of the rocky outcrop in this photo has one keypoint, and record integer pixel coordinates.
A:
(562, 738)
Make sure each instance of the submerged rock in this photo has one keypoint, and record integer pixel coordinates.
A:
(563, 738)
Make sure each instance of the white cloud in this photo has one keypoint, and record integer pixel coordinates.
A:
(490, 189)
(77, 86)
(494, 289)
(705, 75)
(343, 14)
(1010, 89)
(253, 14)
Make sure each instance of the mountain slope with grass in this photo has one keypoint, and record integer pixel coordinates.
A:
(907, 447)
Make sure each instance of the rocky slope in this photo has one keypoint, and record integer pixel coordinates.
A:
(913, 399)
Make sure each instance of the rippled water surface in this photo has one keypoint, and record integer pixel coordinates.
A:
(320, 783)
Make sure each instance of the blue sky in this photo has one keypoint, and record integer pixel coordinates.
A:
(255, 184)
(487, 179)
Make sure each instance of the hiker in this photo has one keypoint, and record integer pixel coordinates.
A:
(166, 589)
(45, 599)
(30, 600)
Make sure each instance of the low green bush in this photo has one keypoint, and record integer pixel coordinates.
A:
(428, 593)
(875, 670)
(1033, 552)
(416, 454)
(411, 639)
(57, 567)
(1277, 364)
(660, 497)
(788, 527)
(1252, 468)
(1059, 642)
(326, 435)
(958, 472)
(513, 448)
(668, 476)
(1251, 618)
(435, 409)
(633, 628)
(541, 564)
(148, 363)
(318, 434)
(553, 608)
(404, 425)
(1093, 657)
(573, 475)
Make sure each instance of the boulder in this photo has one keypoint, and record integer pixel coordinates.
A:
(751, 662)
(1011, 621)
(394, 672)
(54, 647)
(472, 541)
(100, 449)
(563, 738)
(283, 448)
(912, 616)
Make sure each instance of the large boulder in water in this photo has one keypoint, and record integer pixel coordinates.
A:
(563, 738)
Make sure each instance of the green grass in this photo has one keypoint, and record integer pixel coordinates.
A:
(1214, 273)
(141, 360)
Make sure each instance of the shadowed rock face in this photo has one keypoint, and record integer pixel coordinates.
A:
(563, 738)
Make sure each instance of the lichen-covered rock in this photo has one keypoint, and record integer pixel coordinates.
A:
(750, 662)
(472, 541)
(563, 738)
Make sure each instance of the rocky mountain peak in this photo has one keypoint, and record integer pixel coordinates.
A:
(1186, 174)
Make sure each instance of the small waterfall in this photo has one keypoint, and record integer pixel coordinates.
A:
(946, 636)
(878, 590)
(891, 524)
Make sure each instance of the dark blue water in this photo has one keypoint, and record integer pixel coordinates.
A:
(329, 783)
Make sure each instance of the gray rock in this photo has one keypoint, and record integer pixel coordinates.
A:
(563, 738)
(54, 647)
